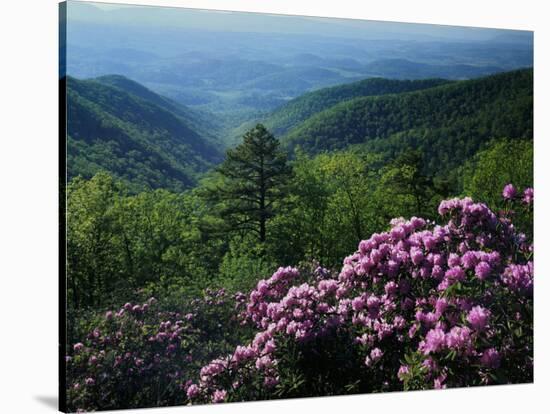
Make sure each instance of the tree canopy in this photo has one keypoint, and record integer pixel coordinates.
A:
(254, 176)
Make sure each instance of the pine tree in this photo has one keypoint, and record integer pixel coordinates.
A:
(255, 174)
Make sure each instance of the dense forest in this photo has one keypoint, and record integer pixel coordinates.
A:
(447, 123)
(172, 238)
(292, 114)
(116, 125)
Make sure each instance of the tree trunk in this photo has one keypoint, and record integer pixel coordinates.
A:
(263, 213)
(262, 227)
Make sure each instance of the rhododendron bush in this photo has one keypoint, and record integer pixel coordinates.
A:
(141, 354)
(421, 306)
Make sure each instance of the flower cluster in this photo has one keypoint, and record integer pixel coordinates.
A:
(424, 293)
(143, 353)
(510, 193)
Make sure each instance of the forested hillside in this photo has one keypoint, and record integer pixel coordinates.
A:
(150, 141)
(448, 123)
(290, 115)
(207, 124)
(135, 135)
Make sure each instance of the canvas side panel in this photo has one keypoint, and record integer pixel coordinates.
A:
(62, 206)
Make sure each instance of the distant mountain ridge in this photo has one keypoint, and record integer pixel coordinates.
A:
(407, 69)
(241, 65)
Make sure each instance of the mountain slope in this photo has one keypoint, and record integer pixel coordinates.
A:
(132, 137)
(449, 121)
(288, 116)
(141, 91)
(207, 124)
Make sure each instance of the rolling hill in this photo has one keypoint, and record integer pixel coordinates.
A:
(151, 141)
(117, 125)
(290, 115)
(449, 123)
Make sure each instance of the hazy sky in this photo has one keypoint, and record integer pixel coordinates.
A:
(255, 22)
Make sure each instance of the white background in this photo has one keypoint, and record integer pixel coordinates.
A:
(28, 204)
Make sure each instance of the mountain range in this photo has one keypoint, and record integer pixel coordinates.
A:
(448, 122)
(151, 141)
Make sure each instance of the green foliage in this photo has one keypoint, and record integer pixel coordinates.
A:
(244, 263)
(325, 367)
(329, 199)
(91, 266)
(337, 199)
(503, 162)
(405, 190)
(119, 243)
(179, 243)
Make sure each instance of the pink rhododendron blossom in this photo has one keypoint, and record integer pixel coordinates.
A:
(403, 372)
(509, 192)
(434, 341)
(192, 391)
(478, 317)
(528, 194)
(490, 358)
(219, 396)
(482, 270)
